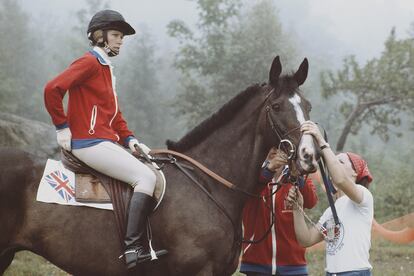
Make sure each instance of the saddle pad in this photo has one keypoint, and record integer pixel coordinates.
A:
(89, 189)
(57, 185)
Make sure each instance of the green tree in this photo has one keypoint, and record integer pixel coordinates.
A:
(376, 94)
(20, 73)
(231, 48)
(392, 186)
(72, 39)
(139, 89)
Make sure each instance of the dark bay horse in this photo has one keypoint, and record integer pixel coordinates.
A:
(201, 238)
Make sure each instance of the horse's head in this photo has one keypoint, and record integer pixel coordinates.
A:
(285, 110)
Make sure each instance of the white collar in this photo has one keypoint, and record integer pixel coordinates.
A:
(104, 58)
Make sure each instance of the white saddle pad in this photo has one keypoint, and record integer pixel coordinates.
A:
(58, 186)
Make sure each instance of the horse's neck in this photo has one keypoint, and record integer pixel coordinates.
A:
(235, 152)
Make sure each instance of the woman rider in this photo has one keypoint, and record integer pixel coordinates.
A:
(94, 129)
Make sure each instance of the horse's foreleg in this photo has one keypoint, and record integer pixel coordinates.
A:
(5, 261)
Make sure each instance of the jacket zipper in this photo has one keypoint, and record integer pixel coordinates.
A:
(94, 114)
(113, 80)
(273, 230)
(114, 93)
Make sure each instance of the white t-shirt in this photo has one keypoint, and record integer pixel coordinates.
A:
(348, 250)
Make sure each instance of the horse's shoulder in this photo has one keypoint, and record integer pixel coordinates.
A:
(17, 167)
(15, 156)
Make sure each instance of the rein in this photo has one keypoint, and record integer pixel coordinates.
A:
(204, 169)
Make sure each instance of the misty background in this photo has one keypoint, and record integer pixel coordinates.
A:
(189, 57)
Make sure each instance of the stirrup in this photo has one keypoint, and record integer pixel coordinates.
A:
(129, 251)
(151, 256)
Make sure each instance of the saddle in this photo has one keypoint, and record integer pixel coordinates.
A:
(93, 186)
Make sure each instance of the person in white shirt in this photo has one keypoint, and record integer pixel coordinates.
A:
(347, 243)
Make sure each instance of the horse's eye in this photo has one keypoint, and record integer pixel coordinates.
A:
(276, 106)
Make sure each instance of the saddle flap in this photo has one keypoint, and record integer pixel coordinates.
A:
(88, 188)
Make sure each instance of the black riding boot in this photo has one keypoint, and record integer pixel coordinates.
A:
(140, 208)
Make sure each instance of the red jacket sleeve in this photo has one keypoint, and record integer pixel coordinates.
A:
(120, 126)
(80, 70)
(310, 198)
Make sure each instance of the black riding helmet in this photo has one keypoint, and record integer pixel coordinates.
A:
(109, 19)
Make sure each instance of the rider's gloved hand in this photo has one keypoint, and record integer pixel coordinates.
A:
(134, 142)
(144, 148)
(64, 137)
(131, 144)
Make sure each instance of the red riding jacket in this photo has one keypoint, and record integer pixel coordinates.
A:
(93, 111)
(279, 250)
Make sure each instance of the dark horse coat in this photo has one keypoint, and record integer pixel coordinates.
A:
(201, 238)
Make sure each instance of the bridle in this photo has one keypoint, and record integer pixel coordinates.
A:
(289, 148)
(285, 141)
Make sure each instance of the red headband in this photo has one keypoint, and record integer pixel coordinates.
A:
(360, 167)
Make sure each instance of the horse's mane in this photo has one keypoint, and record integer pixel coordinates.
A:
(216, 120)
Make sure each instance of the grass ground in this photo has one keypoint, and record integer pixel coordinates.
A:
(387, 259)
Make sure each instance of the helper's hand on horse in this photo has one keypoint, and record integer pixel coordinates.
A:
(311, 128)
(295, 197)
(64, 138)
(277, 159)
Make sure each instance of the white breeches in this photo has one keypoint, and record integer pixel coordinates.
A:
(113, 160)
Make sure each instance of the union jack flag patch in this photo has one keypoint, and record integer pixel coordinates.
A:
(60, 182)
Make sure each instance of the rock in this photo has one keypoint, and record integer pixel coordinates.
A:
(32, 136)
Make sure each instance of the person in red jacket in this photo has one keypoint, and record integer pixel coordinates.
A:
(279, 253)
(94, 129)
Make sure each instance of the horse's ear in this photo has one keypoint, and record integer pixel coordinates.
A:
(302, 73)
(275, 71)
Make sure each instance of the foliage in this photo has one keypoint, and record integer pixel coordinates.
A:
(139, 89)
(34, 55)
(73, 39)
(392, 185)
(19, 76)
(377, 93)
(231, 48)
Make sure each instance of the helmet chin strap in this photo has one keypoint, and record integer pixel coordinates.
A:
(108, 50)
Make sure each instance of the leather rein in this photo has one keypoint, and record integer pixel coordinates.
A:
(203, 168)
